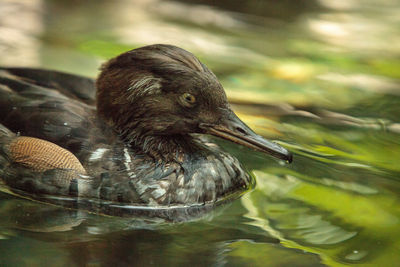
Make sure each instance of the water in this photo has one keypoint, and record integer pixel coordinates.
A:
(322, 77)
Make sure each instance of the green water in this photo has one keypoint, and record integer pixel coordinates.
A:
(322, 77)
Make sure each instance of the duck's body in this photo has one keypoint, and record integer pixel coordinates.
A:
(137, 147)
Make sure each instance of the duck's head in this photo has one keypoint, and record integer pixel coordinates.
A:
(162, 91)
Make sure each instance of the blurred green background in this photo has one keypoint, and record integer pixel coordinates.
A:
(320, 76)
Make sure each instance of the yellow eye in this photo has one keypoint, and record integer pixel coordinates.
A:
(188, 99)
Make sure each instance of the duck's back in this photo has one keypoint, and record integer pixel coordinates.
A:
(71, 85)
(49, 105)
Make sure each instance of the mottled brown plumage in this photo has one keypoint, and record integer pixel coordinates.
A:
(141, 146)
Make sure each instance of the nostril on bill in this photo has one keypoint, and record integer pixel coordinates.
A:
(240, 130)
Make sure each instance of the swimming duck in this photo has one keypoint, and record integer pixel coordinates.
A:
(133, 138)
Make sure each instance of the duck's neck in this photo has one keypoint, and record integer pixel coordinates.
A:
(165, 147)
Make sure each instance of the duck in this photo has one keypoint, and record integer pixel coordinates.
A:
(135, 139)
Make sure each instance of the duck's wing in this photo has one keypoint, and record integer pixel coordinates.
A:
(37, 169)
(73, 86)
(35, 165)
(55, 108)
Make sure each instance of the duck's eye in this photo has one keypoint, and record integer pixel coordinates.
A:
(188, 100)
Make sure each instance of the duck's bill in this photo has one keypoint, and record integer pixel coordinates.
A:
(234, 130)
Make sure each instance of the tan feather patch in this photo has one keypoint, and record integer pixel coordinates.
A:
(40, 155)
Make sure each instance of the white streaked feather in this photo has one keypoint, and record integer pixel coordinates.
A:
(97, 154)
(145, 86)
(127, 159)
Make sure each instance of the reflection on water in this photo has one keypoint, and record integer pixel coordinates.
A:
(320, 76)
